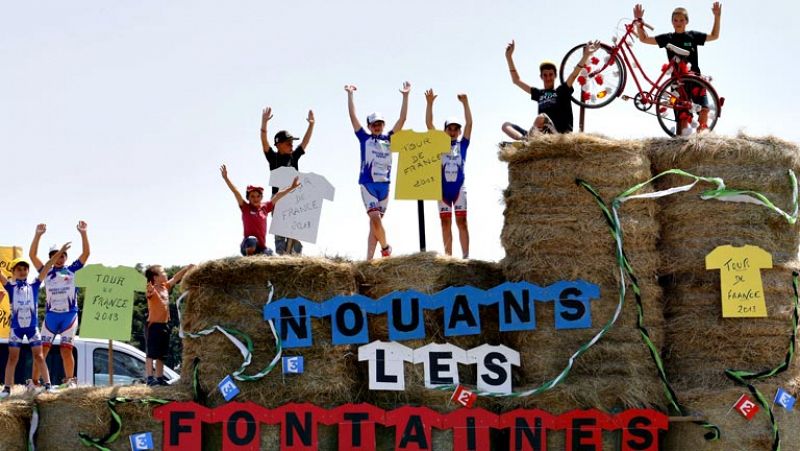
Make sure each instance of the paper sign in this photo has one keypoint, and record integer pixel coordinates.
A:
(7, 254)
(228, 388)
(142, 441)
(108, 302)
(746, 407)
(419, 168)
(740, 276)
(297, 214)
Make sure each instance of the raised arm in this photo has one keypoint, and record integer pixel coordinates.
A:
(279, 195)
(716, 8)
(224, 171)
(309, 130)
(82, 226)
(429, 98)
(638, 13)
(40, 230)
(403, 108)
(49, 264)
(513, 70)
(588, 50)
(467, 115)
(266, 115)
(351, 107)
(176, 279)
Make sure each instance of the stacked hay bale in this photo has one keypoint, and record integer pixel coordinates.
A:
(64, 414)
(555, 231)
(232, 292)
(700, 344)
(15, 417)
(429, 274)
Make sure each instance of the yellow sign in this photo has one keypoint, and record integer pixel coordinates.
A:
(419, 171)
(7, 253)
(740, 276)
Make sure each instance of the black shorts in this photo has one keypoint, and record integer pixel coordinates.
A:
(157, 340)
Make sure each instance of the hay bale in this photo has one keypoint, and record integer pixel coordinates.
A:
(64, 414)
(701, 344)
(15, 417)
(554, 231)
(232, 292)
(737, 433)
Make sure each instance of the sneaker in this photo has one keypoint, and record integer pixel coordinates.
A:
(386, 251)
(6, 392)
(151, 381)
(50, 388)
(30, 386)
(162, 380)
(71, 382)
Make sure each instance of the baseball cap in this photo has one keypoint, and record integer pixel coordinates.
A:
(283, 136)
(53, 249)
(375, 117)
(547, 64)
(18, 261)
(452, 121)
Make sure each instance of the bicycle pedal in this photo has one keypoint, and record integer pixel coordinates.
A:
(625, 97)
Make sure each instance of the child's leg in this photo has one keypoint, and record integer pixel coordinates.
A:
(514, 131)
(445, 216)
(463, 234)
(38, 360)
(148, 367)
(372, 244)
(159, 368)
(11, 364)
(67, 335)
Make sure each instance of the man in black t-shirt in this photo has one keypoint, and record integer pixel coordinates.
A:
(285, 156)
(686, 40)
(555, 107)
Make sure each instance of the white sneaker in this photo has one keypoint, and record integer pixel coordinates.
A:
(72, 382)
(30, 386)
(52, 389)
(5, 393)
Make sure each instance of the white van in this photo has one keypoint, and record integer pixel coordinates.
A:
(91, 362)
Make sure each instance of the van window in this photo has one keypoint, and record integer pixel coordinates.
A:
(127, 368)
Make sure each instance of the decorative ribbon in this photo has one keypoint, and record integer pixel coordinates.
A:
(34, 427)
(237, 337)
(116, 422)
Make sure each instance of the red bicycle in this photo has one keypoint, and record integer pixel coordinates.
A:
(683, 102)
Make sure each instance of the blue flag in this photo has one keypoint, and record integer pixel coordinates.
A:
(142, 441)
(293, 365)
(784, 399)
(228, 388)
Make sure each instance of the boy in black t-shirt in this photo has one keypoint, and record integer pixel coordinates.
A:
(687, 40)
(285, 156)
(555, 108)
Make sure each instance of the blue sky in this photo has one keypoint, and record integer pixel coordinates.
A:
(120, 113)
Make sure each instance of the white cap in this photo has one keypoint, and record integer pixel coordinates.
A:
(375, 117)
(452, 120)
(54, 248)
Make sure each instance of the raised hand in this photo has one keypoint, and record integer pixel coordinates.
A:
(41, 228)
(406, 88)
(224, 171)
(462, 97)
(430, 96)
(638, 11)
(590, 48)
(295, 183)
(65, 247)
(82, 226)
(266, 115)
(350, 88)
(716, 8)
(310, 117)
(510, 49)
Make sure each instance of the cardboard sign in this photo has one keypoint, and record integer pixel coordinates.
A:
(297, 214)
(108, 302)
(7, 254)
(419, 168)
(740, 279)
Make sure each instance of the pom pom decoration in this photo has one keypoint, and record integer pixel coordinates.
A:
(664, 67)
(602, 94)
(588, 68)
(585, 96)
(581, 80)
(598, 79)
(595, 60)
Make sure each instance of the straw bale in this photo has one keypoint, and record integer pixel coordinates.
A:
(554, 231)
(64, 414)
(702, 344)
(231, 292)
(736, 433)
(15, 417)
(427, 273)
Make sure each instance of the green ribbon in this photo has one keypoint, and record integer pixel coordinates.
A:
(116, 422)
(742, 377)
(241, 341)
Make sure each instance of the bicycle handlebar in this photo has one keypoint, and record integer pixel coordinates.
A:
(645, 24)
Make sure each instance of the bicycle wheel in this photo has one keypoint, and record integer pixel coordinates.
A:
(600, 82)
(687, 105)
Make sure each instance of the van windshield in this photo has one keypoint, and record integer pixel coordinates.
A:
(127, 368)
